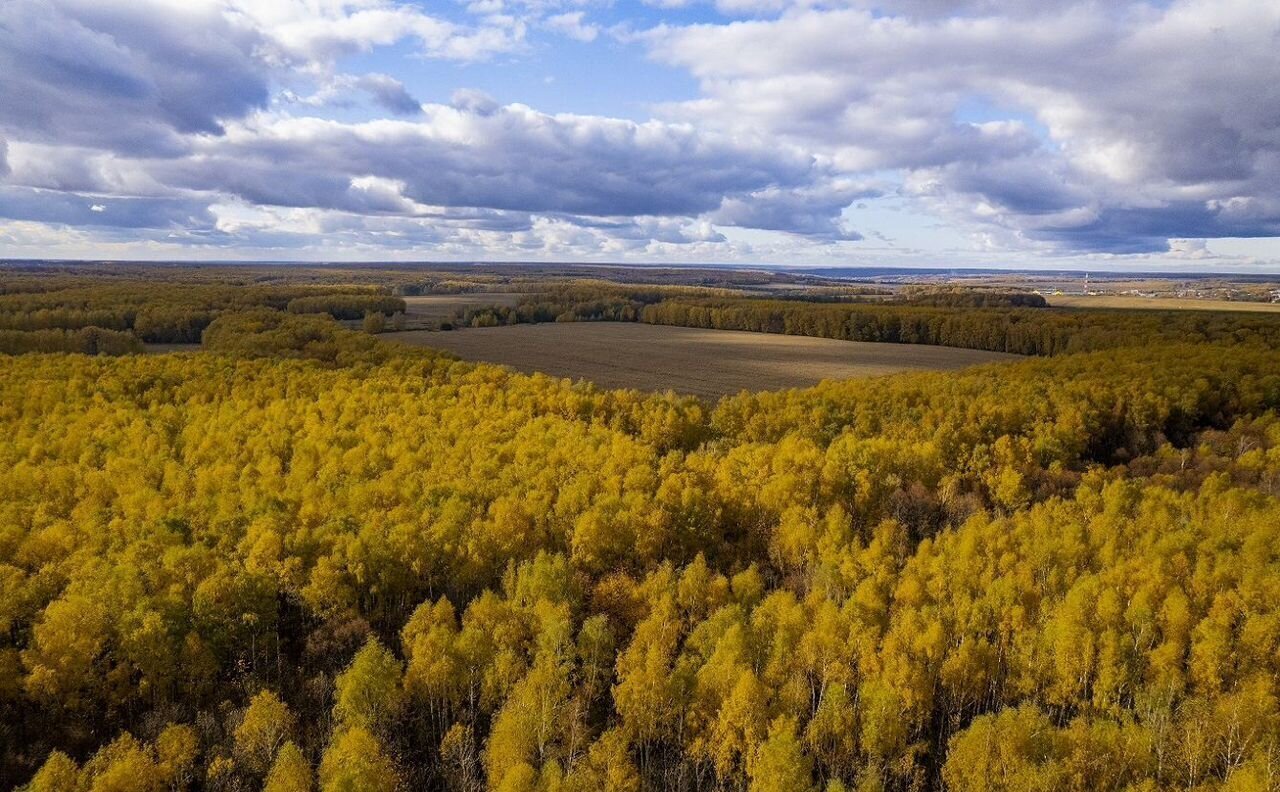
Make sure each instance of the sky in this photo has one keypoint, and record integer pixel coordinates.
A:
(1105, 135)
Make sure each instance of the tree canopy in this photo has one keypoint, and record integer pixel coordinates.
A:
(306, 559)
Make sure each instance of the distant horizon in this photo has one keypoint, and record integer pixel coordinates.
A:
(802, 269)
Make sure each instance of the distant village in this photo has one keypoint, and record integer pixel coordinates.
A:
(1212, 290)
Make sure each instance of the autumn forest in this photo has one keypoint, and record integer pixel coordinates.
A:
(302, 556)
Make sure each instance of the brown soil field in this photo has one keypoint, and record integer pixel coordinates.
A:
(1157, 303)
(442, 306)
(707, 363)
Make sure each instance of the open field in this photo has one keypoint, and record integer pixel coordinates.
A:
(436, 307)
(708, 363)
(1157, 303)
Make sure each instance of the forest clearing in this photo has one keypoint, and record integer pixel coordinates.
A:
(439, 307)
(707, 363)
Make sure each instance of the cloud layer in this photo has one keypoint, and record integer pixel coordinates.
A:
(1031, 128)
(1124, 125)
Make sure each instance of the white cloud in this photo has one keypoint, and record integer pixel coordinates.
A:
(571, 24)
(309, 31)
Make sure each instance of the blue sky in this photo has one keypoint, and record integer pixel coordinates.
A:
(1018, 133)
(555, 74)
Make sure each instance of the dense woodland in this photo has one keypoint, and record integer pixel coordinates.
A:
(346, 306)
(155, 312)
(309, 559)
(1024, 331)
(972, 298)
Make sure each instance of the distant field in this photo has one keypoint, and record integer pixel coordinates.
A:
(436, 307)
(1165, 303)
(708, 363)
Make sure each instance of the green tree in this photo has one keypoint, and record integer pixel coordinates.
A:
(266, 725)
(58, 774)
(177, 749)
(374, 322)
(607, 767)
(291, 772)
(355, 761)
(368, 693)
(1016, 749)
(780, 765)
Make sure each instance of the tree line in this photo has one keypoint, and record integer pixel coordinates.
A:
(85, 340)
(1024, 331)
(972, 298)
(168, 312)
(347, 306)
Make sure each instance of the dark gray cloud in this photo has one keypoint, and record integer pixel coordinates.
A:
(342, 90)
(62, 208)
(811, 211)
(509, 158)
(1150, 229)
(1074, 217)
(1045, 201)
(1024, 186)
(136, 78)
(390, 93)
